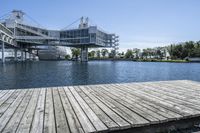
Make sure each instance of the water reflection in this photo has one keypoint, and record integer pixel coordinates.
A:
(60, 73)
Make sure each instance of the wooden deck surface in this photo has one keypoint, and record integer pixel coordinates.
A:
(97, 108)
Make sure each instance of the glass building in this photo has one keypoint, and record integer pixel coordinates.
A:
(83, 37)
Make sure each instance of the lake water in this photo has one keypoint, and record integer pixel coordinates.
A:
(61, 73)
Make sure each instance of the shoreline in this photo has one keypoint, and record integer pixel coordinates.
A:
(135, 60)
(120, 59)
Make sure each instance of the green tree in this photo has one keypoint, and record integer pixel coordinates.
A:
(75, 53)
(129, 53)
(145, 53)
(67, 57)
(188, 48)
(112, 54)
(159, 54)
(91, 54)
(98, 52)
(136, 51)
(104, 52)
(183, 50)
(195, 52)
(198, 44)
(121, 55)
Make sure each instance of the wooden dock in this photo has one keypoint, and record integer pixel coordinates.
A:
(127, 107)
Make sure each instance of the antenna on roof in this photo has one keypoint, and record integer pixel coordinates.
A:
(83, 23)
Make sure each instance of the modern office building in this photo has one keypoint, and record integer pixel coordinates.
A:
(28, 37)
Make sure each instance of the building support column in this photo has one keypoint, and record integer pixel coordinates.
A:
(15, 54)
(84, 54)
(3, 52)
(37, 52)
(25, 55)
(29, 55)
(22, 55)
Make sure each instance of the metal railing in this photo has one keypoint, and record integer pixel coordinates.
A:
(32, 31)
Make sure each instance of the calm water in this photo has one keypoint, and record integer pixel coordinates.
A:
(59, 73)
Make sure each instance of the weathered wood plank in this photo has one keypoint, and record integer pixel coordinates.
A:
(38, 120)
(187, 84)
(181, 91)
(98, 111)
(114, 116)
(8, 102)
(128, 113)
(143, 109)
(98, 124)
(192, 108)
(3, 92)
(181, 88)
(176, 95)
(150, 98)
(197, 83)
(8, 114)
(61, 120)
(15, 119)
(75, 126)
(6, 96)
(98, 108)
(49, 118)
(135, 88)
(85, 122)
(136, 99)
(25, 123)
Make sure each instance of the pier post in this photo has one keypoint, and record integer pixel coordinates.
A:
(3, 52)
(84, 54)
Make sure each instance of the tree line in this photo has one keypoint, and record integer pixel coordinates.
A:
(182, 51)
(185, 49)
(173, 51)
(76, 52)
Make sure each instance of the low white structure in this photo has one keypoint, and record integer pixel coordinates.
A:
(52, 53)
(194, 59)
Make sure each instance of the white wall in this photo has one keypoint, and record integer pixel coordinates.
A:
(9, 54)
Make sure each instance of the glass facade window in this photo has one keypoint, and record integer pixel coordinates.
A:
(103, 38)
(78, 36)
(78, 33)
(91, 36)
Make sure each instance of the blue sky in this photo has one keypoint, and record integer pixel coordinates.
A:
(139, 23)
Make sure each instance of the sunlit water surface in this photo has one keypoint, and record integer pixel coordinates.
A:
(62, 73)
